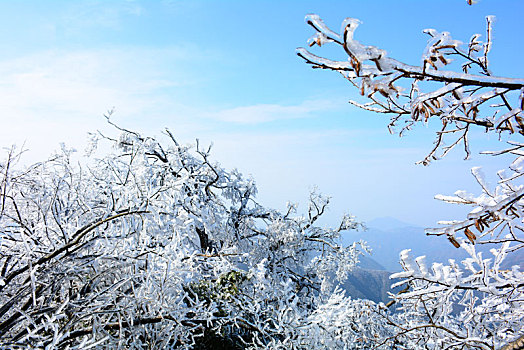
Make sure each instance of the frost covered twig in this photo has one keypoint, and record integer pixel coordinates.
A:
(478, 303)
(155, 245)
(457, 102)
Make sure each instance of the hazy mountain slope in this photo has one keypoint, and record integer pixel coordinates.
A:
(368, 284)
(386, 244)
(387, 223)
(368, 263)
(516, 258)
(387, 237)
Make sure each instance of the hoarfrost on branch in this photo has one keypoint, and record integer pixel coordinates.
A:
(473, 304)
(153, 245)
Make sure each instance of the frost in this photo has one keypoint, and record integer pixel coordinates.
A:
(153, 244)
(476, 303)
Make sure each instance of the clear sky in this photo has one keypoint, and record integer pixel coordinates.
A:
(226, 71)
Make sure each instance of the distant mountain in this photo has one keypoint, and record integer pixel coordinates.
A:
(387, 237)
(369, 284)
(374, 284)
(516, 258)
(365, 262)
(387, 223)
(369, 281)
(387, 243)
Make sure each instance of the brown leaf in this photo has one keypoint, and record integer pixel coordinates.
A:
(435, 102)
(415, 113)
(383, 92)
(426, 115)
(427, 105)
(478, 225)
(454, 241)
(443, 60)
(430, 61)
(471, 236)
(357, 67)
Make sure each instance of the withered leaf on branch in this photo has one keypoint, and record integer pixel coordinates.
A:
(471, 236)
(454, 241)
(479, 225)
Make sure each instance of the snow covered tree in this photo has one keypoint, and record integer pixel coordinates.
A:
(152, 245)
(475, 304)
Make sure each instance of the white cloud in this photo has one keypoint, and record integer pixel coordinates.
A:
(263, 113)
(80, 16)
(74, 88)
(79, 82)
(369, 181)
(55, 96)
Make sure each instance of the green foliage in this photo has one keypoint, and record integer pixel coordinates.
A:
(219, 291)
(217, 340)
(228, 283)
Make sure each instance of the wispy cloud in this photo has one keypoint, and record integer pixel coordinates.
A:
(80, 16)
(54, 96)
(86, 82)
(263, 113)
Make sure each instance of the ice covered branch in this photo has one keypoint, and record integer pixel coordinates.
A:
(403, 90)
(155, 245)
(478, 303)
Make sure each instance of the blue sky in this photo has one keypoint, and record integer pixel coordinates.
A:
(226, 71)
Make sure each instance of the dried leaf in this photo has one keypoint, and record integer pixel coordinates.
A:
(454, 241)
(427, 105)
(426, 115)
(383, 92)
(478, 225)
(471, 236)
(443, 60)
(432, 63)
(435, 102)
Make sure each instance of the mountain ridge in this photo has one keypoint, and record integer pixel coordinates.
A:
(370, 280)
